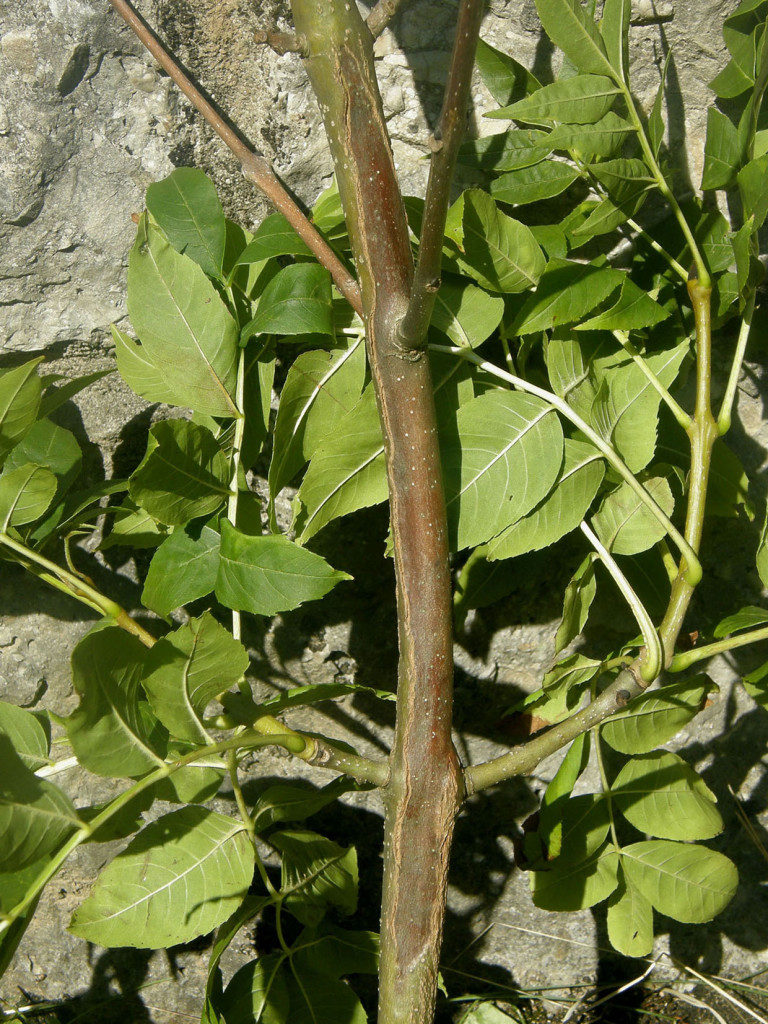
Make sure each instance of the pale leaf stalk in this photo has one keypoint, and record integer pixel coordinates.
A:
(681, 416)
(234, 488)
(652, 662)
(606, 449)
(76, 587)
(663, 187)
(726, 406)
(680, 270)
(685, 659)
(606, 791)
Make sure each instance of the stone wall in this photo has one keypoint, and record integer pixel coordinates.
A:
(87, 122)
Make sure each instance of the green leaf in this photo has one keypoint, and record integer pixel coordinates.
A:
(576, 886)
(558, 793)
(487, 1013)
(731, 81)
(623, 179)
(746, 618)
(499, 252)
(337, 952)
(603, 138)
(754, 684)
(655, 717)
(614, 30)
(321, 387)
(571, 28)
(626, 408)
(188, 350)
(28, 732)
(579, 595)
(563, 686)
(111, 731)
(133, 527)
(318, 999)
(566, 292)
(35, 816)
(633, 310)
(625, 525)
(316, 874)
(186, 669)
(504, 78)
(656, 118)
(580, 100)
(274, 237)
(630, 920)
(271, 574)
(531, 184)
(561, 511)
(296, 301)
(182, 876)
(687, 883)
(295, 803)
(466, 313)
(722, 151)
(259, 992)
(662, 796)
(346, 472)
(503, 459)
(25, 494)
(184, 474)
(606, 216)
(187, 209)
(51, 446)
(521, 147)
(184, 568)
(20, 391)
(754, 195)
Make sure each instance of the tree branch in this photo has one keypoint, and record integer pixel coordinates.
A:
(255, 168)
(445, 147)
(382, 14)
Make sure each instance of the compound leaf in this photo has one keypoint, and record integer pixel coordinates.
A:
(686, 882)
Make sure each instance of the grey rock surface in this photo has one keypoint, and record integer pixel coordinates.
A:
(87, 122)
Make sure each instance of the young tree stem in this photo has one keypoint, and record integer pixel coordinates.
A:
(424, 790)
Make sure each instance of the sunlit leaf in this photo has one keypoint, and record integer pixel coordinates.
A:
(532, 184)
(630, 920)
(561, 511)
(273, 237)
(503, 459)
(466, 313)
(662, 796)
(188, 351)
(686, 882)
(504, 78)
(654, 717)
(633, 310)
(625, 524)
(576, 886)
(182, 876)
(111, 731)
(603, 138)
(579, 595)
(35, 816)
(571, 28)
(25, 494)
(27, 732)
(580, 100)
(186, 669)
(316, 874)
(20, 391)
(346, 472)
(566, 292)
(270, 574)
(722, 152)
(296, 301)
(321, 387)
(746, 618)
(184, 568)
(497, 251)
(188, 210)
(184, 474)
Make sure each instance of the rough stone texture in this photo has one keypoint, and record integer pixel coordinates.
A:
(87, 122)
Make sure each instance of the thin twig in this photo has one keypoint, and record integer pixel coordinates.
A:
(255, 168)
(445, 147)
